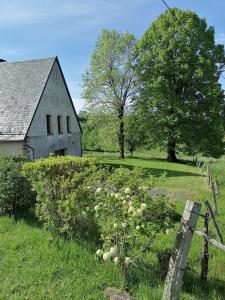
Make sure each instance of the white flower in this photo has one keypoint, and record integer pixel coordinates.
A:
(138, 227)
(124, 225)
(144, 206)
(115, 225)
(135, 213)
(116, 260)
(139, 212)
(130, 209)
(124, 202)
(106, 256)
(96, 208)
(84, 214)
(122, 197)
(99, 252)
(127, 191)
(145, 188)
(117, 196)
(98, 190)
(142, 226)
(113, 251)
(87, 208)
(112, 194)
(127, 261)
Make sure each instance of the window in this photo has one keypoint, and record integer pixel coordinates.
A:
(59, 122)
(60, 152)
(49, 124)
(68, 124)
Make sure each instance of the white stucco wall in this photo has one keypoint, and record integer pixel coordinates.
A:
(55, 101)
(11, 148)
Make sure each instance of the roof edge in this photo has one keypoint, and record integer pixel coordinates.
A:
(54, 59)
(68, 93)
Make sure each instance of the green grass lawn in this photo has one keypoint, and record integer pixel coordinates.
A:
(36, 265)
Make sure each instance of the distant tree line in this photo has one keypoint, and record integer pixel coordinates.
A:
(162, 90)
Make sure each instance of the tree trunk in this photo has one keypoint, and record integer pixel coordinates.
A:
(171, 149)
(121, 136)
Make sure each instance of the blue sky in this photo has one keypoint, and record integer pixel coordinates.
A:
(69, 28)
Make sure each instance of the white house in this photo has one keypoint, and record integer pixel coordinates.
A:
(37, 115)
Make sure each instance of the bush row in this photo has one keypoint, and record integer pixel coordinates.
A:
(80, 198)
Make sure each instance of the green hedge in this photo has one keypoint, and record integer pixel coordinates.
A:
(16, 196)
(62, 194)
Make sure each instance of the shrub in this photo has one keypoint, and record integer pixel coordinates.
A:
(16, 196)
(128, 217)
(79, 198)
(63, 200)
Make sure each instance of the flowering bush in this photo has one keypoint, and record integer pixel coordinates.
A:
(128, 217)
(80, 198)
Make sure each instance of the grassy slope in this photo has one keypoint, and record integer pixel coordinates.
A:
(184, 182)
(34, 265)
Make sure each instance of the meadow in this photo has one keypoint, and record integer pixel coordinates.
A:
(34, 264)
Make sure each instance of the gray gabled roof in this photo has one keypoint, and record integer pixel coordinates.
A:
(21, 86)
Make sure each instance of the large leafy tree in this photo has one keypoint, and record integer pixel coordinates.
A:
(109, 83)
(179, 67)
(96, 128)
(136, 134)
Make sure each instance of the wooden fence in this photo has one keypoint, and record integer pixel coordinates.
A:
(187, 229)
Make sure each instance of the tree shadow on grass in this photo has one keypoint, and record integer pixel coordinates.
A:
(203, 290)
(30, 219)
(155, 274)
(155, 171)
(161, 159)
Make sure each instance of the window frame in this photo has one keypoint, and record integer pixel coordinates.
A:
(68, 124)
(49, 124)
(59, 124)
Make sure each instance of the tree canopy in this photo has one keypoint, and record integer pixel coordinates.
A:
(109, 83)
(180, 97)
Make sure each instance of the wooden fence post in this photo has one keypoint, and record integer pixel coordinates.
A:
(208, 174)
(216, 227)
(179, 256)
(196, 161)
(214, 198)
(203, 167)
(218, 186)
(205, 250)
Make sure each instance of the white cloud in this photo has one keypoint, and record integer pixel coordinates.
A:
(86, 12)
